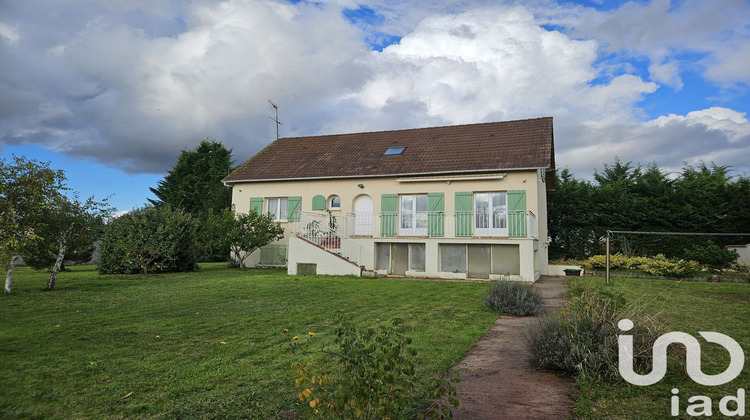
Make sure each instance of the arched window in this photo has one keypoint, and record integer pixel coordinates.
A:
(334, 202)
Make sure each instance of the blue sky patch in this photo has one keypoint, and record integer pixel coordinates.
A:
(380, 41)
(364, 16)
(366, 19)
(604, 5)
(553, 28)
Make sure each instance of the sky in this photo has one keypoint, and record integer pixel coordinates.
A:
(111, 92)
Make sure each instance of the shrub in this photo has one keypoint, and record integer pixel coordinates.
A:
(712, 255)
(582, 339)
(661, 266)
(741, 266)
(514, 298)
(370, 374)
(658, 265)
(616, 262)
(149, 240)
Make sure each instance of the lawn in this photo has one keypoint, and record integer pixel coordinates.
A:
(207, 344)
(683, 306)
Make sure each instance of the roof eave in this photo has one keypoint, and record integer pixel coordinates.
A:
(533, 168)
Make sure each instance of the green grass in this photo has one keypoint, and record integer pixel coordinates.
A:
(79, 351)
(683, 306)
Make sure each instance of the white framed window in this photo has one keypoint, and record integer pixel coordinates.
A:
(334, 203)
(413, 220)
(278, 207)
(491, 214)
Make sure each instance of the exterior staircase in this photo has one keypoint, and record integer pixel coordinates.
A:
(314, 237)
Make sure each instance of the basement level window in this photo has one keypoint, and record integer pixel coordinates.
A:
(396, 150)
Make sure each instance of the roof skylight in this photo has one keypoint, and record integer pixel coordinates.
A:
(395, 150)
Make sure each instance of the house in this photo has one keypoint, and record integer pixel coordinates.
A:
(742, 250)
(451, 202)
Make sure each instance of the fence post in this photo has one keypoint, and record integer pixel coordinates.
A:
(606, 271)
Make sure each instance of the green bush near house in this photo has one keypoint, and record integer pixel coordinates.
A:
(711, 255)
(150, 240)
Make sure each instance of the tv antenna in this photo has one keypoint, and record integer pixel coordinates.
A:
(276, 120)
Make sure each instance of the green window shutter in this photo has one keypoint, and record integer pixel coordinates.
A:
(294, 205)
(436, 214)
(517, 213)
(464, 213)
(256, 203)
(319, 203)
(388, 205)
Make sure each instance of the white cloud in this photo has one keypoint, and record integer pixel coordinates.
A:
(132, 84)
(9, 34)
(732, 124)
(497, 63)
(665, 32)
(239, 53)
(718, 135)
(117, 214)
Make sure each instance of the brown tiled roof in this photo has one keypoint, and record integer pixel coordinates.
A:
(509, 145)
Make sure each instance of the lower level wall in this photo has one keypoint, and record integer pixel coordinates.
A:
(307, 255)
(517, 259)
(523, 259)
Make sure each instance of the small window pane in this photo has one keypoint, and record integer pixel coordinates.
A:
(453, 258)
(399, 259)
(479, 261)
(394, 151)
(335, 202)
(407, 218)
(283, 206)
(416, 257)
(278, 207)
(382, 256)
(273, 207)
(506, 259)
(422, 202)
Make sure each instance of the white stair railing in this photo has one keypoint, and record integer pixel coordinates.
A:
(315, 229)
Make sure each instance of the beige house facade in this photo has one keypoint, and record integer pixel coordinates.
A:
(444, 202)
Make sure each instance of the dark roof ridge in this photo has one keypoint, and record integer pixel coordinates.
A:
(399, 130)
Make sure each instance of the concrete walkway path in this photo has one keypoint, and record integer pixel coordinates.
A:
(500, 382)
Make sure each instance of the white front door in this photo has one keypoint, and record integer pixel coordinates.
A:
(363, 216)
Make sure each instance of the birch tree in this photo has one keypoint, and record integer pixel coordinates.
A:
(71, 230)
(27, 187)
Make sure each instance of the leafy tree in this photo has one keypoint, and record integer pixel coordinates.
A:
(26, 188)
(244, 233)
(194, 183)
(149, 240)
(71, 230)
